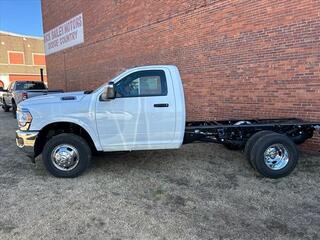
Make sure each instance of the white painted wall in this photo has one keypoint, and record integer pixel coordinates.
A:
(5, 79)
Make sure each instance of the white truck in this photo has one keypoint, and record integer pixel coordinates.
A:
(144, 109)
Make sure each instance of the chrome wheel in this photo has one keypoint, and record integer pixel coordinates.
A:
(276, 157)
(65, 157)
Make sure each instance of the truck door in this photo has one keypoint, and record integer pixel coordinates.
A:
(142, 116)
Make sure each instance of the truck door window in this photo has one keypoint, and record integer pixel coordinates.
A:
(143, 84)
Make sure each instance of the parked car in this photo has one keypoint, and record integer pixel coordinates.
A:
(21, 90)
(144, 109)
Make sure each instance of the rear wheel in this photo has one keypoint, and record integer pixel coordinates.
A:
(252, 140)
(274, 155)
(66, 155)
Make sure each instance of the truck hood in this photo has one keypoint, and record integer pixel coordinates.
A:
(53, 98)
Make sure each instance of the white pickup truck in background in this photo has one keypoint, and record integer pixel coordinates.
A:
(21, 90)
(144, 109)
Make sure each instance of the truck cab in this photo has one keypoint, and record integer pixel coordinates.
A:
(144, 111)
(141, 109)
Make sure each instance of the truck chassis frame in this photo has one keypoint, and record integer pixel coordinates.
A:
(237, 132)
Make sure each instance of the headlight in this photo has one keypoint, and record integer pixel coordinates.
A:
(24, 118)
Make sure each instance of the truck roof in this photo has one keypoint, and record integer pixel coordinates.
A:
(28, 81)
(152, 66)
(148, 67)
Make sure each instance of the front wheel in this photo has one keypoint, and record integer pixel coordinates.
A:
(66, 155)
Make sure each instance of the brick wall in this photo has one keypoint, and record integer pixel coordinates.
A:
(238, 59)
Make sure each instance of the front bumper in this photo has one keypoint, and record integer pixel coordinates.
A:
(26, 141)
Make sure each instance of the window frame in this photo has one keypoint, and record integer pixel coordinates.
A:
(146, 73)
(39, 54)
(23, 58)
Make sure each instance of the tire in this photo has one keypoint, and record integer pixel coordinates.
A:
(278, 166)
(251, 141)
(76, 145)
(5, 107)
(14, 110)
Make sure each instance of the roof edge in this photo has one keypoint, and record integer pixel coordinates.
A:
(20, 35)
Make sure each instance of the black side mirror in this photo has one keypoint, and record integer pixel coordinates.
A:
(109, 92)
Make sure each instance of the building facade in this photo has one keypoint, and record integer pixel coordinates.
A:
(21, 58)
(238, 58)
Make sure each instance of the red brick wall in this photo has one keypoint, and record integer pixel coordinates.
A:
(238, 59)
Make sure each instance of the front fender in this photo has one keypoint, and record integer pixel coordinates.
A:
(86, 126)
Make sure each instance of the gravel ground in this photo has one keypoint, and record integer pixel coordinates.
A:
(201, 191)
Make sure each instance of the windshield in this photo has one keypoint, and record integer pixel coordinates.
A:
(30, 86)
(112, 79)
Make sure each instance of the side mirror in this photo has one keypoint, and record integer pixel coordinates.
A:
(3, 90)
(109, 92)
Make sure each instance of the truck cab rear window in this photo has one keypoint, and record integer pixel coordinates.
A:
(30, 86)
(143, 84)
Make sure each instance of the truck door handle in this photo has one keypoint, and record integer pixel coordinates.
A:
(161, 105)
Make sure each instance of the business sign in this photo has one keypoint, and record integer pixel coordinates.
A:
(68, 34)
